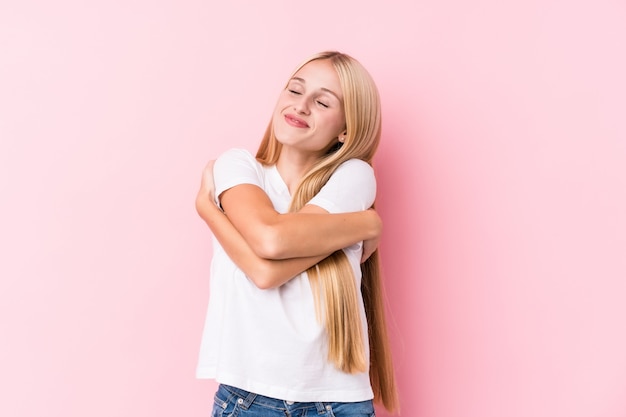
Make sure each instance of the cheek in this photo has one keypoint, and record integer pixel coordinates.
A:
(278, 109)
(281, 103)
(284, 99)
(337, 123)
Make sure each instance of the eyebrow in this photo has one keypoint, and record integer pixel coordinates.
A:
(323, 88)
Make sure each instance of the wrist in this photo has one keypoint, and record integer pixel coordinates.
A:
(376, 224)
(205, 203)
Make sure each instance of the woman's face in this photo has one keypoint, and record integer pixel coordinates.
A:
(309, 114)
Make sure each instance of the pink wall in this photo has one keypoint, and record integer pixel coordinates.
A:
(502, 186)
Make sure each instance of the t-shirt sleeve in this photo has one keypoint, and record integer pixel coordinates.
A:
(352, 187)
(235, 167)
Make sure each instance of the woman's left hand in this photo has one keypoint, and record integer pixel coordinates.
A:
(369, 247)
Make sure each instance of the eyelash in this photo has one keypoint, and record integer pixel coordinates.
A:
(317, 101)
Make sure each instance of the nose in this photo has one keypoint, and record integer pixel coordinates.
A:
(301, 105)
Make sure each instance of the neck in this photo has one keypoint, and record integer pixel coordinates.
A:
(292, 167)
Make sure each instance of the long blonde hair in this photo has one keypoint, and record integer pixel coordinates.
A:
(332, 279)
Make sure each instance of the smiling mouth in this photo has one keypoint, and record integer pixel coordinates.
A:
(295, 121)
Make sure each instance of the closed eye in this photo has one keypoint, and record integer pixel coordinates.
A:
(322, 104)
(294, 92)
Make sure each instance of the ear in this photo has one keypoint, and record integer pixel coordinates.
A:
(342, 136)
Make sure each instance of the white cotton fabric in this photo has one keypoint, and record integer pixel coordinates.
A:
(269, 341)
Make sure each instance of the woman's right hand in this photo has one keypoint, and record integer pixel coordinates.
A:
(205, 198)
(207, 184)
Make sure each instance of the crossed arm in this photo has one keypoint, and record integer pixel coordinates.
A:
(271, 248)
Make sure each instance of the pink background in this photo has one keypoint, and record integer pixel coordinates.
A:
(502, 179)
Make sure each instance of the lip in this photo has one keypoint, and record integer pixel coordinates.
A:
(295, 121)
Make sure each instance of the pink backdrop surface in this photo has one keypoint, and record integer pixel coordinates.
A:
(502, 185)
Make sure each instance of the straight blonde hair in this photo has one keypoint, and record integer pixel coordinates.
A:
(332, 280)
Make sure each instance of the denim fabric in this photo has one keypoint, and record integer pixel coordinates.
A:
(234, 402)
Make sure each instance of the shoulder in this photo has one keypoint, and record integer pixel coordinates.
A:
(357, 166)
(352, 187)
(236, 159)
(354, 172)
(236, 154)
(236, 166)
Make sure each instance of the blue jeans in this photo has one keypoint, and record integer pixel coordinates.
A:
(233, 402)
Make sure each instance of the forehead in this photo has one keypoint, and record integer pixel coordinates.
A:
(320, 74)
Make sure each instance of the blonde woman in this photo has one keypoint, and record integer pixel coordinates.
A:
(295, 324)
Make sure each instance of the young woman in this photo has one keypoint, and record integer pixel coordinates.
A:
(295, 324)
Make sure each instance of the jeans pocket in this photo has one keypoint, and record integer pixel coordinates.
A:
(218, 407)
(225, 404)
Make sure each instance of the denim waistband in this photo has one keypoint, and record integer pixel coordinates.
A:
(247, 398)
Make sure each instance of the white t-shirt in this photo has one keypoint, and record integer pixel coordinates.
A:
(269, 341)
